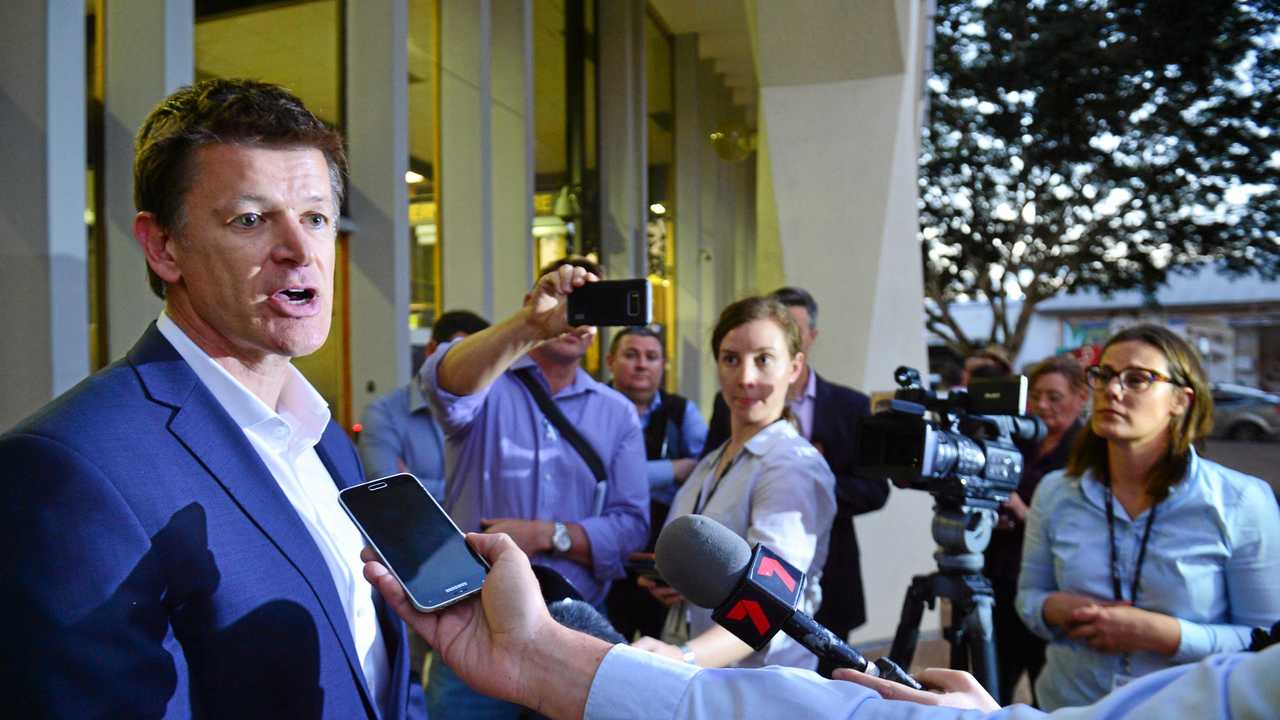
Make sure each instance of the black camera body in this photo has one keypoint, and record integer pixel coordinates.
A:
(968, 457)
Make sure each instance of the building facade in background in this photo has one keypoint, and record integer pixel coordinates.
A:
(720, 148)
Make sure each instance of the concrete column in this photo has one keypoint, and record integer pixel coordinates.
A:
(378, 200)
(842, 128)
(138, 75)
(714, 218)
(44, 252)
(486, 155)
(511, 169)
(622, 101)
(466, 156)
(693, 261)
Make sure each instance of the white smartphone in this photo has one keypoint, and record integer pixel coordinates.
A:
(417, 541)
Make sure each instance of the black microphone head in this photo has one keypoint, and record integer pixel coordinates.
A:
(702, 559)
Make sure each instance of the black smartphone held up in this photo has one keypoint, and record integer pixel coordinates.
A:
(416, 540)
(612, 303)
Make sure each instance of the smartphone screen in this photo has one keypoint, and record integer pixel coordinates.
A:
(416, 540)
(612, 303)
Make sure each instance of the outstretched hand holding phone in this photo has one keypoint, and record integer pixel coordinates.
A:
(504, 643)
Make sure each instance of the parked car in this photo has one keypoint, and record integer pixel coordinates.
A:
(1241, 412)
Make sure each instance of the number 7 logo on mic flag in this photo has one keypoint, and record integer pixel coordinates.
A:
(769, 566)
(763, 599)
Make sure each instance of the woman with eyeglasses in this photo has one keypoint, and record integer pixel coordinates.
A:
(1142, 554)
(1058, 397)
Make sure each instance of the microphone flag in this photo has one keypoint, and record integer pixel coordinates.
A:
(764, 600)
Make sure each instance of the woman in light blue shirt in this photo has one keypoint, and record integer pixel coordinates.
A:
(1141, 554)
(766, 483)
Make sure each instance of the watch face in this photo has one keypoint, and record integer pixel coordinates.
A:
(560, 538)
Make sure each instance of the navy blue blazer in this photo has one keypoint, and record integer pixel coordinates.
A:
(152, 567)
(837, 412)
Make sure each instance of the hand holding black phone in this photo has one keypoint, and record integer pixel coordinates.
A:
(416, 540)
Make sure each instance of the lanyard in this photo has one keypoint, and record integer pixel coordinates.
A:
(698, 504)
(1116, 588)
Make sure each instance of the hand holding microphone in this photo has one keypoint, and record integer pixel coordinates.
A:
(754, 593)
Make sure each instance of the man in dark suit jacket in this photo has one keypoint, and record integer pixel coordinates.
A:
(173, 541)
(829, 422)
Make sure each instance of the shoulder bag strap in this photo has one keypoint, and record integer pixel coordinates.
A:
(566, 428)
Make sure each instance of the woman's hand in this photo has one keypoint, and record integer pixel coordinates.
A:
(657, 647)
(1017, 508)
(948, 688)
(1120, 627)
(1059, 606)
(664, 594)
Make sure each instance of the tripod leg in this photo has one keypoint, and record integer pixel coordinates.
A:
(980, 637)
(904, 640)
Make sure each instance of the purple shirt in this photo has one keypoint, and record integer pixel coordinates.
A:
(503, 458)
(802, 407)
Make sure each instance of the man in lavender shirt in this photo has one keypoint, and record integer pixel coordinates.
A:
(509, 470)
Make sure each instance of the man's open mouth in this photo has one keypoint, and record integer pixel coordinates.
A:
(297, 296)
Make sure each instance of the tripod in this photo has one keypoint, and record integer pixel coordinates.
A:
(962, 534)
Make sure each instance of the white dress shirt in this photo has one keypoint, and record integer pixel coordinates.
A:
(285, 439)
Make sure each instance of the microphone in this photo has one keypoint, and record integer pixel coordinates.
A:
(581, 616)
(754, 592)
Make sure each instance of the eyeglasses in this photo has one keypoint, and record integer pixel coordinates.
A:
(1132, 379)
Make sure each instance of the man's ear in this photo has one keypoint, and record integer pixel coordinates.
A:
(154, 241)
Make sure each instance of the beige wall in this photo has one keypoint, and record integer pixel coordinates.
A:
(837, 157)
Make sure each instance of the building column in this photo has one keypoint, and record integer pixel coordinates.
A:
(377, 118)
(511, 167)
(839, 136)
(44, 255)
(714, 218)
(622, 100)
(138, 75)
(486, 155)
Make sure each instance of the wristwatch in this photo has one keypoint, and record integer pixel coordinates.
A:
(560, 540)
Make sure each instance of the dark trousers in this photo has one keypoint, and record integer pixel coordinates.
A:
(631, 609)
(1017, 648)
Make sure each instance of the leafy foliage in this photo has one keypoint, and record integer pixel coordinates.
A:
(1086, 144)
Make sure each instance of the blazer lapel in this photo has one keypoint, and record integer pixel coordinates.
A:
(208, 432)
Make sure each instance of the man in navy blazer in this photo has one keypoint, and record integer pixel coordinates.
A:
(828, 415)
(173, 542)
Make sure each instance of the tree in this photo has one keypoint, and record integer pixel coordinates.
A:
(1086, 144)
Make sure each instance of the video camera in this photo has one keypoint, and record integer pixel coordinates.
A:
(967, 458)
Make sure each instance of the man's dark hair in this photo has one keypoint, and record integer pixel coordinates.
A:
(799, 297)
(586, 264)
(454, 322)
(635, 331)
(220, 112)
